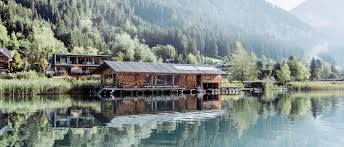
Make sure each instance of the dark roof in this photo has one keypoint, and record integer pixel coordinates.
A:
(81, 55)
(145, 67)
(6, 52)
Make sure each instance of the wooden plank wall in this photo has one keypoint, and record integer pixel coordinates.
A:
(137, 80)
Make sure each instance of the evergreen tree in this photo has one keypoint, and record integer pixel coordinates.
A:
(314, 70)
(4, 40)
(14, 44)
(292, 63)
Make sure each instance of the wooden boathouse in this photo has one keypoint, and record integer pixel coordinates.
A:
(143, 76)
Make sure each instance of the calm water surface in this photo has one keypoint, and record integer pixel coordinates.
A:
(309, 119)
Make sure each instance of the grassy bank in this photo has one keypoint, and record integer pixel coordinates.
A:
(232, 84)
(316, 85)
(45, 86)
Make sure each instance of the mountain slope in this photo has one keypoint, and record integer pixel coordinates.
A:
(325, 16)
(206, 26)
(256, 22)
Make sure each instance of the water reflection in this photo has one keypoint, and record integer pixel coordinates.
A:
(158, 104)
(274, 119)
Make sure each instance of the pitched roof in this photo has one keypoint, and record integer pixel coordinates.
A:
(145, 67)
(6, 52)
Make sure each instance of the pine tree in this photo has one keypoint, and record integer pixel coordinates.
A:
(314, 70)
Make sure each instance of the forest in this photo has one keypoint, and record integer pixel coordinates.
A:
(148, 30)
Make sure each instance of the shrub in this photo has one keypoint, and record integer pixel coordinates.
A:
(21, 75)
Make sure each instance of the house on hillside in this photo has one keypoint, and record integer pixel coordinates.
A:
(75, 64)
(5, 60)
(158, 76)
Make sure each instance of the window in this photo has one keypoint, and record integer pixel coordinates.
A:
(176, 80)
(148, 81)
(160, 80)
(164, 80)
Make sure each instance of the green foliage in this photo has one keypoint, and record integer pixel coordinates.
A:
(316, 85)
(30, 84)
(14, 44)
(97, 23)
(43, 45)
(325, 71)
(191, 59)
(292, 63)
(17, 63)
(25, 75)
(302, 72)
(298, 71)
(166, 52)
(227, 83)
(315, 67)
(84, 51)
(284, 74)
(4, 40)
(243, 64)
(33, 86)
(126, 48)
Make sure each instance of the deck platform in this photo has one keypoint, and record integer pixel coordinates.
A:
(108, 91)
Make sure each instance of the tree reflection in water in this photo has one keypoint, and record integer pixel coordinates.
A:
(159, 121)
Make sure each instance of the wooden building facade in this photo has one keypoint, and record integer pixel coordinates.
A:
(142, 75)
(5, 60)
(74, 64)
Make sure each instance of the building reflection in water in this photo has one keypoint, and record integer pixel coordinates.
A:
(73, 117)
(86, 117)
(158, 104)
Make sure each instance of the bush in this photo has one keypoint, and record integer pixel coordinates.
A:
(22, 75)
(320, 85)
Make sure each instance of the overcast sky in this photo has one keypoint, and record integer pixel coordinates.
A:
(286, 4)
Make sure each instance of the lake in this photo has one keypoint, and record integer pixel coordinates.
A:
(303, 119)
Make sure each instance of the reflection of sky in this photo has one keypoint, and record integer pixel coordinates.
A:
(244, 122)
(326, 129)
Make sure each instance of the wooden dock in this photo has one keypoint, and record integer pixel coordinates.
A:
(165, 91)
(230, 91)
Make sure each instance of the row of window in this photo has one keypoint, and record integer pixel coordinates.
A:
(149, 81)
(79, 60)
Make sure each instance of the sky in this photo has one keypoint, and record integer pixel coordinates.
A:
(286, 4)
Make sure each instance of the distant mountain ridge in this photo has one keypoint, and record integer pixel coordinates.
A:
(325, 16)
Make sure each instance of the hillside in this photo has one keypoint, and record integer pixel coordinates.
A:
(326, 18)
(206, 26)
